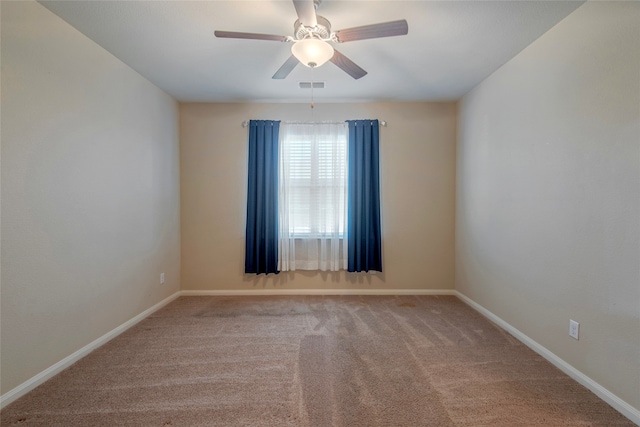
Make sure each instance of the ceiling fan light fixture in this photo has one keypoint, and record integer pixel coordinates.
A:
(312, 52)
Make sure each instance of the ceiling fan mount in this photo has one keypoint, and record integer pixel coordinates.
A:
(322, 30)
(312, 34)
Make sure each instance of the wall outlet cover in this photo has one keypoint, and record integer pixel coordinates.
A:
(574, 329)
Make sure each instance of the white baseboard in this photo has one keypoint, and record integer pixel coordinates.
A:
(43, 376)
(254, 292)
(620, 405)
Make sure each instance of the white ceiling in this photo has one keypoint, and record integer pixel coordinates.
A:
(451, 46)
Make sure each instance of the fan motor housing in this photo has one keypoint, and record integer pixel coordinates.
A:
(322, 30)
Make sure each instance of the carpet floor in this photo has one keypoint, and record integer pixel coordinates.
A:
(313, 361)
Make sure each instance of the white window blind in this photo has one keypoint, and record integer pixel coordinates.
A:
(313, 196)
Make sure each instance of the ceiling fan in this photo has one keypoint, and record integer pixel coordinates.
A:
(312, 34)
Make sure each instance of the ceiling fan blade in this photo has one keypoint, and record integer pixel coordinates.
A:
(373, 31)
(347, 65)
(251, 36)
(306, 11)
(286, 68)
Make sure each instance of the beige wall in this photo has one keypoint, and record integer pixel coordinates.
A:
(90, 192)
(548, 194)
(417, 191)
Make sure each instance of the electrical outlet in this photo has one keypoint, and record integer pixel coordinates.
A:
(574, 329)
(162, 278)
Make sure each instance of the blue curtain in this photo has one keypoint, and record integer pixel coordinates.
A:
(261, 244)
(363, 212)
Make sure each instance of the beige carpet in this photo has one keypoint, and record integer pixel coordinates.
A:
(313, 361)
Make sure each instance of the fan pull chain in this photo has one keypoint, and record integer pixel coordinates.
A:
(312, 85)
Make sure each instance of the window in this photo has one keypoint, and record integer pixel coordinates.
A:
(312, 192)
(317, 176)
